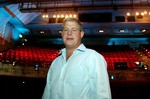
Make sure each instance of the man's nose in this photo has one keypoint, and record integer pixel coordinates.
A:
(69, 32)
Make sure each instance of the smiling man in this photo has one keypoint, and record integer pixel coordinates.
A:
(79, 72)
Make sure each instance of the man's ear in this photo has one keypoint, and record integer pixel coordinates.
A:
(82, 34)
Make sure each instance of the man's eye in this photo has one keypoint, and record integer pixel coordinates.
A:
(65, 29)
(73, 29)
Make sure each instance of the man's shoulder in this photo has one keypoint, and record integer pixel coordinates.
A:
(94, 52)
(91, 50)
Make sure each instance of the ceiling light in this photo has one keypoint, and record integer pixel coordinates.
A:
(70, 15)
(121, 30)
(42, 31)
(145, 12)
(20, 35)
(58, 16)
(143, 30)
(25, 40)
(128, 14)
(137, 13)
(62, 16)
(54, 16)
(142, 13)
(60, 31)
(101, 30)
(45, 16)
(74, 15)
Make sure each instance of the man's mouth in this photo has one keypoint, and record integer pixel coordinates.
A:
(69, 38)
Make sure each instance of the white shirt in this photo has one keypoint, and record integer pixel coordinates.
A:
(83, 76)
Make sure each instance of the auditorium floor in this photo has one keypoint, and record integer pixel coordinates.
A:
(32, 88)
(130, 90)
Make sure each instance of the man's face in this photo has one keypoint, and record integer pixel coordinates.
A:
(71, 35)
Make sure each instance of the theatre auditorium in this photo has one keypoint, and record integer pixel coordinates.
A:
(30, 40)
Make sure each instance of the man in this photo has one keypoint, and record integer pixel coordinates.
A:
(79, 72)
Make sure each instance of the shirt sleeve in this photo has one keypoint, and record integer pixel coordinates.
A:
(98, 78)
(46, 93)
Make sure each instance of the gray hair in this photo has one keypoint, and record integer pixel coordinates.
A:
(73, 20)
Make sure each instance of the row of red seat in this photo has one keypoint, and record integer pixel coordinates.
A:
(145, 50)
(31, 56)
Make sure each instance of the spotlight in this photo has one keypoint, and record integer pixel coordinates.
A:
(143, 30)
(101, 30)
(121, 30)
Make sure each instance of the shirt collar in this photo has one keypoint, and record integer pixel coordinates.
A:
(80, 48)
